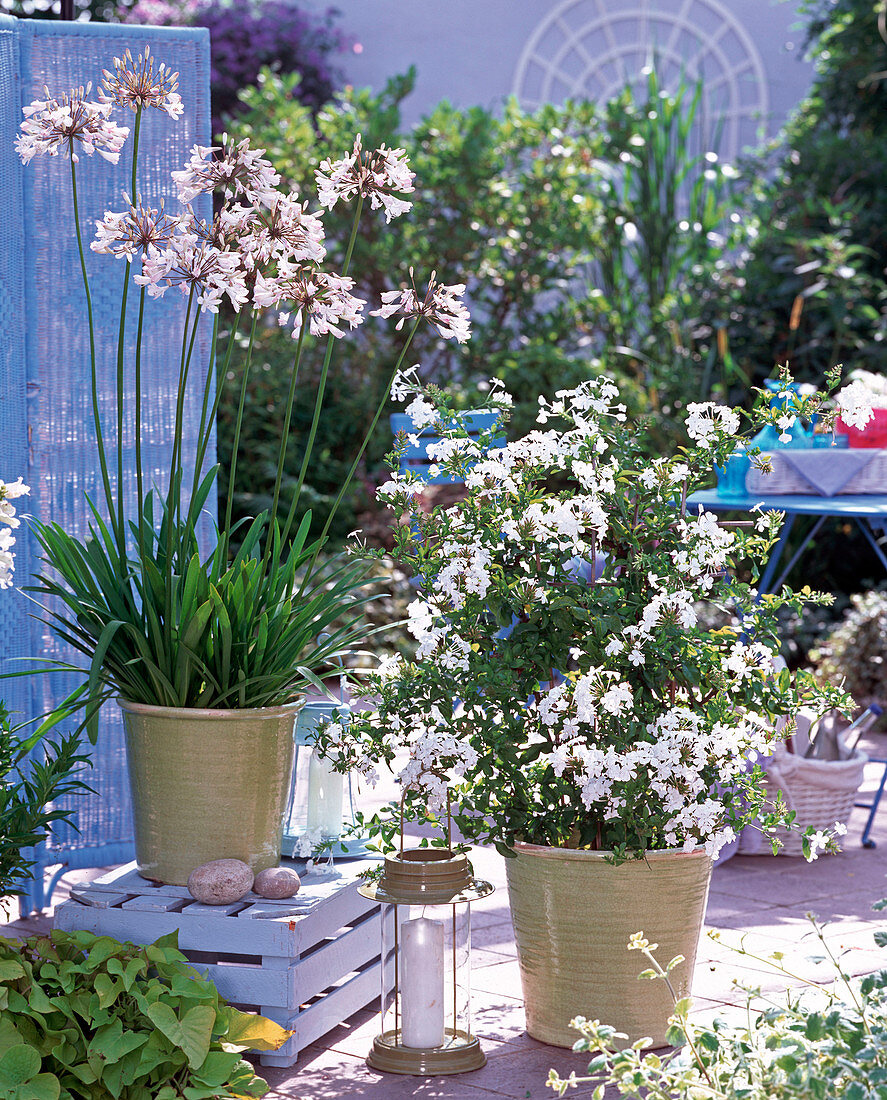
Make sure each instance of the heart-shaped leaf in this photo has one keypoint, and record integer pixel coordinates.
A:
(216, 1069)
(19, 1064)
(107, 988)
(10, 969)
(249, 1032)
(45, 1086)
(9, 1037)
(191, 1034)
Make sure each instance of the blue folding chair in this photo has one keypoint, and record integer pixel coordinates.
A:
(46, 432)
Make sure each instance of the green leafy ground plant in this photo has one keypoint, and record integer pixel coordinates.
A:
(87, 1018)
(819, 1043)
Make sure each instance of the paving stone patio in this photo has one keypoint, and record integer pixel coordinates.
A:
(758, 899)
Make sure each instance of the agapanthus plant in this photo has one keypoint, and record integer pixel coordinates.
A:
(564, 691)
(159, 621)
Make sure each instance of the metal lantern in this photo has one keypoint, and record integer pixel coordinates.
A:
(321, 804)
(426, 962)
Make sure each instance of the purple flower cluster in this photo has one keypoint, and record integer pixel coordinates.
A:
(249, 34)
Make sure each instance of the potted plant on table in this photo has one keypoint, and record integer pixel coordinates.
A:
(565, 699)
(209, 652)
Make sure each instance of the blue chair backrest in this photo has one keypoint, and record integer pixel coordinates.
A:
(415, 457)
(46, 432)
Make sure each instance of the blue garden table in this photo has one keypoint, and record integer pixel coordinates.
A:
(868, 511)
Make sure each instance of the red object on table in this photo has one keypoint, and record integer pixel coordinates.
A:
(874, 434)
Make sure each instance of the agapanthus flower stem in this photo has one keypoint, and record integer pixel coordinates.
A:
(174, 489)
(133, 194)
(121, 337)
(140, 486)
(96, 415)
(121, 332)
(370, 430)
(290, 401)
(207, 418)
(180, 410)
(238, 423)
(321, 385)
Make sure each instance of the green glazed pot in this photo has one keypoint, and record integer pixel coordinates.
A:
(207, 784)
(573, 914)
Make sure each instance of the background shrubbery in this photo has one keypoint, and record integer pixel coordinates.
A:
(247, 35)
(581, 234)
(811, 290)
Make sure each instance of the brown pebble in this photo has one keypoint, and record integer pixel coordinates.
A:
(277, 882)
(220, 882)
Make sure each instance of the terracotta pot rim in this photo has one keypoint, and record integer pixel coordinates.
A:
(581, 854)
(196, 713)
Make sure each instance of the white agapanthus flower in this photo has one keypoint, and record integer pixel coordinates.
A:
(135, 84)
(7, 558)
(70, 124)
(237, 171)
(441, 305)
(382, 176)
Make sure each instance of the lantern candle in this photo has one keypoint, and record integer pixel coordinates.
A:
(422, 988)
(325, 795)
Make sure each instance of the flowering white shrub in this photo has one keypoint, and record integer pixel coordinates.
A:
(9, 491)
(563, 691)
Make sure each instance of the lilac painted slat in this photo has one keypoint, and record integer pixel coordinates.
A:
(344, 954)
(248, 985)
(321, 1017)
(153, 905)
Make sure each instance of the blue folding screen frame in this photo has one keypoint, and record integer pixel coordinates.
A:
(46, 430)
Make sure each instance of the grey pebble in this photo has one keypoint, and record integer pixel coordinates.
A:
(220, 882)
(277, 882)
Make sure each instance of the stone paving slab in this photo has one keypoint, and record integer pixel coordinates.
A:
(511, 1071)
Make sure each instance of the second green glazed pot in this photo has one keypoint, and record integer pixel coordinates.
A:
(573, 914)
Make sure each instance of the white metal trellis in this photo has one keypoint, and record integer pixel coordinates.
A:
(594, 48)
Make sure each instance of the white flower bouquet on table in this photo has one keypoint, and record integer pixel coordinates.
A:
(564, 692)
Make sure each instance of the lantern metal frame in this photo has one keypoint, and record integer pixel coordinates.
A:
(338, 847)
(420, 877)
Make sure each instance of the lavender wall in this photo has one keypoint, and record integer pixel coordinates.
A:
(477, 51)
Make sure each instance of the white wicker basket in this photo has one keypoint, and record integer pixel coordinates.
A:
(784, 478)
(821, 792)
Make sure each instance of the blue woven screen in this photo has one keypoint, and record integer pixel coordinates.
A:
(46, 428)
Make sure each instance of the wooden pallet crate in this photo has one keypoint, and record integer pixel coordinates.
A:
(307, 962)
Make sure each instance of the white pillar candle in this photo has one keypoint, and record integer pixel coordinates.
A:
(325, 795)
(422, 983)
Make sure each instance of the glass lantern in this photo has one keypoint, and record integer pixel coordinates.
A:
(321, 803)
(426, 963)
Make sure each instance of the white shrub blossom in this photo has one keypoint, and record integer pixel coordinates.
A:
(707, 420)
